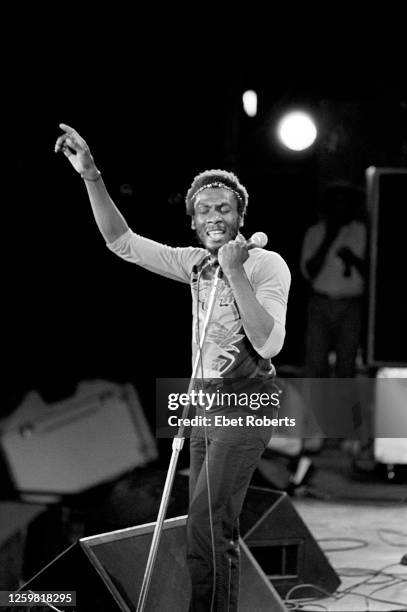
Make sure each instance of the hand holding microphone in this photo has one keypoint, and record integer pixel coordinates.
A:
(233, 254)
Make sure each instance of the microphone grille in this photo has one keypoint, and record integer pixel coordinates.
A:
(259, 239)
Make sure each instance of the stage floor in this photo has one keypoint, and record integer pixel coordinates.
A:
(364, 542)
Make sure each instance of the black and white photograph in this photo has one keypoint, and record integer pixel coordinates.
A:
(204, 398)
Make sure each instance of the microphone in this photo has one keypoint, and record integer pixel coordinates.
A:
(259, 239)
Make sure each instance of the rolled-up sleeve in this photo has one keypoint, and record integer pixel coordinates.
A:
(271, 280)
(171, 262)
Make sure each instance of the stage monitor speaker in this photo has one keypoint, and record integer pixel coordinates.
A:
(107, 570)
(283, 546)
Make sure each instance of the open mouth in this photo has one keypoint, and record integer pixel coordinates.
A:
(216, 234)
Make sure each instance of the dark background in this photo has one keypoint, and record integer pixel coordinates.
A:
(158, 102)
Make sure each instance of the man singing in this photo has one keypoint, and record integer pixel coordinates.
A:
(246, 330)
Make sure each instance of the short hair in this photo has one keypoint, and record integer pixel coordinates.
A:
(217, 178)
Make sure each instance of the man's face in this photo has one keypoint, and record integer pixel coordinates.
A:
(216, 219)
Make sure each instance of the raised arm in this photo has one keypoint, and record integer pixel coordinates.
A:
(109, 220)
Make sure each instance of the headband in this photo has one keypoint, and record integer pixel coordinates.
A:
(218, 185)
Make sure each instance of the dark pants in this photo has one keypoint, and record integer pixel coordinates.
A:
(333, 325)
(233, 454)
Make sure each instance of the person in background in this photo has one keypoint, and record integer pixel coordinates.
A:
(333, 261)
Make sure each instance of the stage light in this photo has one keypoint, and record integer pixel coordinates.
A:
(250, 102)
(297, 131)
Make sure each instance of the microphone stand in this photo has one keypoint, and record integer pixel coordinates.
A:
(177, 445)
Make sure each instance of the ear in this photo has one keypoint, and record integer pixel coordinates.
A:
(193, 226)
(241, 222)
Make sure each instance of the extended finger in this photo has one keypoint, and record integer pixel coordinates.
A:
(71, 132)
(66, 128)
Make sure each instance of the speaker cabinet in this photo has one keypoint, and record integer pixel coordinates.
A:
(387, 194)
(68, 447)
(283, 546)
(107, 570)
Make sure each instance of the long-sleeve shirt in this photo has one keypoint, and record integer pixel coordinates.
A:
(227, 352)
